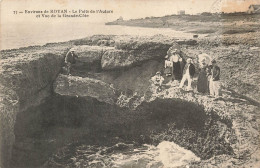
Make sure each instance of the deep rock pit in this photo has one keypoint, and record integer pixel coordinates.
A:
(98, 123)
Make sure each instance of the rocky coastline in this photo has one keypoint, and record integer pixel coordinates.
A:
(114, 72)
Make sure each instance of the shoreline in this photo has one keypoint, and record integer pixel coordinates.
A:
(18, 42)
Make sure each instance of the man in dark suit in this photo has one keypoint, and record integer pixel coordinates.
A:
(188, 73)
(70, 59)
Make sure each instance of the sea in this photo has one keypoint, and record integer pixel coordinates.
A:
(16, 35)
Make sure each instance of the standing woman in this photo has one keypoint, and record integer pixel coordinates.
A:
(176, 70)
(202, 84)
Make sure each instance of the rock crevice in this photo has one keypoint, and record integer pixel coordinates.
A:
(26, 78)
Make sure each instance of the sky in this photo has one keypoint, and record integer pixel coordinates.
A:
(128, 9)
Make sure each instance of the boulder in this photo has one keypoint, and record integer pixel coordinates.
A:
(134, 50)
(85, 87)
(90, 54)
(114, 59)
(172, 155)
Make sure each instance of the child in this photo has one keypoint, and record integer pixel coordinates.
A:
(158, 80)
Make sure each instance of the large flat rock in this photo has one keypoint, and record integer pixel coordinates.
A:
(121, 51)
(115, 59)
(85, 87)
(134, 50)
(90, 54)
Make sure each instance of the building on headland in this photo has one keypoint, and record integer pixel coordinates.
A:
(120, 19)
(253, 9)
(181, 12)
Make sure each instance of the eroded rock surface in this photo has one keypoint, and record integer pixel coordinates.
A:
(244, 135)
(85, 87)
(133, 50)
(115, 59)
(90, 54)
(26, 77)
(124, 52)
(30, 73)
(8, 110)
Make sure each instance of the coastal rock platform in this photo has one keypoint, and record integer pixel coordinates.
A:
(116, 97)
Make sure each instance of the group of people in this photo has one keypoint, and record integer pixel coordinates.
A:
(180, 70)
(209, 78)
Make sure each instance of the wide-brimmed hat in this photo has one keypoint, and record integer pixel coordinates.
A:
(158, 72)
(204, 58)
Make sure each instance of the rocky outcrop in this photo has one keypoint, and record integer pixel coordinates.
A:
(90, 54)
(8, 110)
(133, 50)
(30, 73)
(25, 80)
(27, 77)
(243, 136)
(85, 87)
(89, 57)
(124, 52)
(237, 125)
(116, 59)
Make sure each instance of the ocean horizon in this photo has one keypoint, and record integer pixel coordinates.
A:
(24, 35)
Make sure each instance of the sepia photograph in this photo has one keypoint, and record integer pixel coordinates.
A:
(129, 83)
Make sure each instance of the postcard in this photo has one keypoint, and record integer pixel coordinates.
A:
(129, 83)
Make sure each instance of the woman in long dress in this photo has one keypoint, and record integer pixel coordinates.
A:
(176, 70)
(202, 85)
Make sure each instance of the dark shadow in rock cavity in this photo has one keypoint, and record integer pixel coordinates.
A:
(41, 131)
